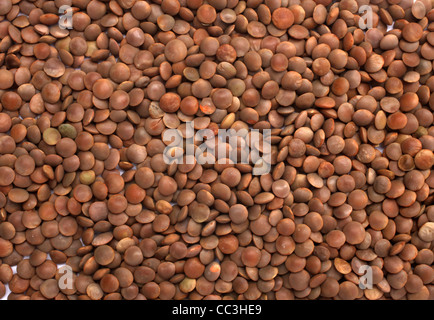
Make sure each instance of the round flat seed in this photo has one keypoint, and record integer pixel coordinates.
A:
(282, 18)
(6, 79)
(7, 176)
(51, 136)
(54, 68)
(104, 255)
(175, 51)
(6, 248)
(18, 195)
(49, 288)
(25, 165)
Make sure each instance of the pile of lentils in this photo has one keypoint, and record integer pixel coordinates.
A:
(84, 184)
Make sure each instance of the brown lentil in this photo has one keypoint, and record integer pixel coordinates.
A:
(83, 174)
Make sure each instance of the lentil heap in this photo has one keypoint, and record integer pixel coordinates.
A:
(83, 181)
